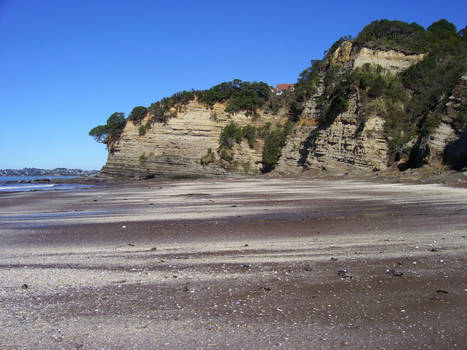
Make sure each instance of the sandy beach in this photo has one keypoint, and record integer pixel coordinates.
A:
(241, 264)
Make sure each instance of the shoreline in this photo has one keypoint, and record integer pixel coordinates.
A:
(424, 175)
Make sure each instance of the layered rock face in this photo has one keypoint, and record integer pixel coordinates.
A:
(391, 60)
(444, 145)
(175, 149)
(180, 147)
(344, 144)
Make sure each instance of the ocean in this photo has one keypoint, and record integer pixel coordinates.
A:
(22, 184)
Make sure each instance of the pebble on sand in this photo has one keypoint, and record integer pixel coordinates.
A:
(395, 273)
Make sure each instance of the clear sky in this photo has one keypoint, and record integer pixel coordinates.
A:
(67, 65)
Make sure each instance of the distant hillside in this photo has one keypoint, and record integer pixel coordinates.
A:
(46, 172)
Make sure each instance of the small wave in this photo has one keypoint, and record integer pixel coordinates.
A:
(42, 187)
(26, 187)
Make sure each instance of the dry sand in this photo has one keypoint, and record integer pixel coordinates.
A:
(241, 264)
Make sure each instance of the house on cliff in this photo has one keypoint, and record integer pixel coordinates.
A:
(280, 88)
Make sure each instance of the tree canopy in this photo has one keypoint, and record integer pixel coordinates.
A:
(137, 114)
(238, 95)
(114, 126)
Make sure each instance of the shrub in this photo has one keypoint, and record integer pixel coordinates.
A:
(167, 108)
(377, 87)
(273, 145)
(398, 127)
(238, 96)
(238, 135)
(431, 122)
(249, 97)
(263, 131)
(308, 80)
(226, 155)
(306, 86)
(398, 35)
(431, 79)
(249, 132)
(230, 134)
(161, 112)
(339, 103)
(142, 130)
(182, 97)
(208, 158)
(276, 103)
(137, 114)
(460, 121)
(218, 93)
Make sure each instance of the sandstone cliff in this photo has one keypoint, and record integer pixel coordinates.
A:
(344, 144)
(389, 59)
(187, 144)
(175, 148)
(444, 145)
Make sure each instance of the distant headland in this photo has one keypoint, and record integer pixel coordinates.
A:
(46, 172)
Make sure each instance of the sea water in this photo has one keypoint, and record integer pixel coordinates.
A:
(19, 184)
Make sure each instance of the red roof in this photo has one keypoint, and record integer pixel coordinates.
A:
(283, 87)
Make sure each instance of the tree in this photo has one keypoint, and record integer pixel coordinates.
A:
(137, 114)
(398, 35)
(463, 32)
(442, 28)
(377, 87)
(238, 95)
(105, 133)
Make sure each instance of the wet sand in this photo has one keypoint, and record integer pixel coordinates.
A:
(241, 264)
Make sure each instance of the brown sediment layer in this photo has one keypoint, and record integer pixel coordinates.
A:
(240, 264)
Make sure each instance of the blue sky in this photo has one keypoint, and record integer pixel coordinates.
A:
(66, 66)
